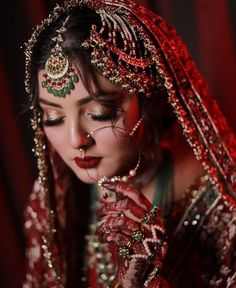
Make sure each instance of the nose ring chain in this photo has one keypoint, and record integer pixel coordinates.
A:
(132, 173)
(82, 150)
(82, 153)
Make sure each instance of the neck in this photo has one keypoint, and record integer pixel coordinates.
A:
(145, 180)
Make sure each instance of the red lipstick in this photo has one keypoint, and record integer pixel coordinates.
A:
(87, 162)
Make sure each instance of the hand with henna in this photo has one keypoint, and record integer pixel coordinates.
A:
(135, 226)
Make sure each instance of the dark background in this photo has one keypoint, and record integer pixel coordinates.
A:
(208, 29)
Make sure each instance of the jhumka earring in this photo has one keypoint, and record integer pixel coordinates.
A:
(59, 75)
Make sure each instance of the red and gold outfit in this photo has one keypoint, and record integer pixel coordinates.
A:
(201, 229)
(201, 232)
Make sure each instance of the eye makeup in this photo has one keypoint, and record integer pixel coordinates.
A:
(53, 114)
(52, 118)
(103, 113)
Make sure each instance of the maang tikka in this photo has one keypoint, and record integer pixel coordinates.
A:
(59, 75)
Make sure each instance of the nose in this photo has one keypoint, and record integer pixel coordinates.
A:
(77, 136)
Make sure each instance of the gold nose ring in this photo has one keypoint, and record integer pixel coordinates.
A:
(90, 139)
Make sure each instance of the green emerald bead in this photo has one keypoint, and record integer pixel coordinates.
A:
(71, 85)
(74, 78)
(44, 84)
(137, 236)
(49, 89)
(155, 206)
(100, 46)
(60, 92)
(66, 90)
(124, 251)
(55, 92)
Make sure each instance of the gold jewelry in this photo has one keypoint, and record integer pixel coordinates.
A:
(136, 126)
(137, 236)
(59, 75)
(147, 219)
(124, 251)
(82, 153)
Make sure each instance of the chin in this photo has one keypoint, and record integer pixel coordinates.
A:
(92, 175)
(87, 176)
(87, 180)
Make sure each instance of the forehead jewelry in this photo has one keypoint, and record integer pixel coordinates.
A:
(126, 62)
(59, 76)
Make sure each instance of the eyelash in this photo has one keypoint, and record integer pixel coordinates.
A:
(102, 117)
(56, 122)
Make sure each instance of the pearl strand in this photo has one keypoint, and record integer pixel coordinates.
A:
(154, 240)
(136, 126)
(125, 178)
(154, 228)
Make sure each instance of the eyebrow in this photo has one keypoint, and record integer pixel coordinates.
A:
(78, 102)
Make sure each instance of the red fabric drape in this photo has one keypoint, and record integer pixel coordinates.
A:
(217, 52)
(166, 9)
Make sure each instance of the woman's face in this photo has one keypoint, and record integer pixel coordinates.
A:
(67, 122)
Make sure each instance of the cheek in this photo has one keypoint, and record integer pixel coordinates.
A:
(113, 143)
(107, 138)
(57, 139)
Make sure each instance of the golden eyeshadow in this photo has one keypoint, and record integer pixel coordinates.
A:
(99, 110)
(52, 115)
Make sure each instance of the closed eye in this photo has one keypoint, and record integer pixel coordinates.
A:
(103, 117)
(54, 122)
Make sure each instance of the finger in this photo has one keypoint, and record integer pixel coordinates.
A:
(127, 206)
(126, 190)
(124, 224)
(103, 226)
(107, 195)
(116, 237)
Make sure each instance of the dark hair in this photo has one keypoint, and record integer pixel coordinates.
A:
(158, 112)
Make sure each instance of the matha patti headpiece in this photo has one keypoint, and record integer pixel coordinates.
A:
(121, 54)
(59, 75)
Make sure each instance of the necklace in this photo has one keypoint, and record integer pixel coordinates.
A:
(98, 255)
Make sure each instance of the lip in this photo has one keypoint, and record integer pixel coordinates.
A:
(87, 162)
